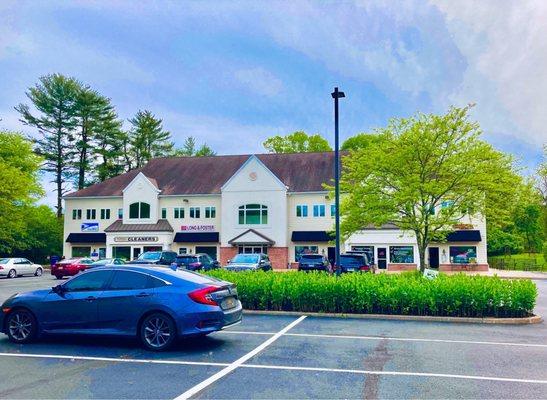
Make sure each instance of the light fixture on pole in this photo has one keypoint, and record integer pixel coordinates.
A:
(337, 95)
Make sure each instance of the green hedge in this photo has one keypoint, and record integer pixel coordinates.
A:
(401, 294)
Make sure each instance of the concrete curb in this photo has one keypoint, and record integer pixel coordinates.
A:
(536, 319)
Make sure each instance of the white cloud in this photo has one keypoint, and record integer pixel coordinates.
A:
(505, 44)
(260, 81)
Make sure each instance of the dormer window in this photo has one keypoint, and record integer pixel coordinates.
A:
(139, 210)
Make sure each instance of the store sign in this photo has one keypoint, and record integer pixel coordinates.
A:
(90, 227)
(463, 226)
(133, 239)
(197, 228)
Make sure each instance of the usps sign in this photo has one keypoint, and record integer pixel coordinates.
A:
(90, 227)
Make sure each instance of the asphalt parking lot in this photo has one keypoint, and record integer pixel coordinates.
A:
(287, 357)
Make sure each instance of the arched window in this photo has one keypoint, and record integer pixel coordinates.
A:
(253, 214)
(139, 210)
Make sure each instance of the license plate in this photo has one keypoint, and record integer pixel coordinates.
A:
(351, 269)
(229, 302)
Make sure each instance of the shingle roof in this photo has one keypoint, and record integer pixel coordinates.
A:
(300, 172)
(161, 226)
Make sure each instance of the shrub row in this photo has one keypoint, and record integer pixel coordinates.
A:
(401, 294)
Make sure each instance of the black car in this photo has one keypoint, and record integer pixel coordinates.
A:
(313, 262)
(355, 263)
(196, 262)
(155, 257)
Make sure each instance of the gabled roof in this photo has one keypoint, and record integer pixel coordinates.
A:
(300, 172)
(251, 236)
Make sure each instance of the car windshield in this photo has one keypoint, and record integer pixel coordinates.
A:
(86, 261)
(150, 255)
(245, 259)
(352, 260)
(187, 259)
(4, 260)
(311, 257)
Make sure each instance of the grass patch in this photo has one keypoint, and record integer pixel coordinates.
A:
(519, 262)
(399, 294)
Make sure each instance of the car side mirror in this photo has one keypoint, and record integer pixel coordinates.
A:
(59, 289)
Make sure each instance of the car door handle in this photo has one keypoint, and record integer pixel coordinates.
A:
(143, 295)
(90, 298)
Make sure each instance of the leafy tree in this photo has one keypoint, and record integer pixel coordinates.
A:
(528, 224)
(503, 241)
(188, 149)
(423, 161)
(297, 142)
(148, 139)
(362, 141)
(19, 186)
(54, 98)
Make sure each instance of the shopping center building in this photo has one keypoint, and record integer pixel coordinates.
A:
(224, 205)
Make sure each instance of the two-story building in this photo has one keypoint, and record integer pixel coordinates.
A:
(224, 205)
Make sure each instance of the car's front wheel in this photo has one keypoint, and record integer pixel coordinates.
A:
(21, 326)
(158, 332)
(38, 272)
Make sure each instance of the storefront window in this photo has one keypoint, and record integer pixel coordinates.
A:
(463, 254)
(368, 250)
(252, 249)
(301, 250)
(139, 210)
(253, 214)
(123, 252)
(401, 254)
(183, 250)
(81, 251)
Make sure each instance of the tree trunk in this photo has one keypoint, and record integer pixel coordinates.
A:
(421, 252)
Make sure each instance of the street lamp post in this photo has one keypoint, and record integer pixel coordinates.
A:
(337, 95)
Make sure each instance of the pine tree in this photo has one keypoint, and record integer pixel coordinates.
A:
(54, 99)
(188, 149)
(109, 146)
(148, 139)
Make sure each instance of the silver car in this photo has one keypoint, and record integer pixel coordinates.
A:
(249, 262)
(14, 267)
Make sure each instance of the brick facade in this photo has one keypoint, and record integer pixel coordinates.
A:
(402, 267)
(279, 256)
(227, 253)
(462, 267)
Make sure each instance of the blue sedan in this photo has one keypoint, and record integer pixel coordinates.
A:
(154, 304)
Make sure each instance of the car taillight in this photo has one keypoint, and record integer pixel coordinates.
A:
(203, 295)
(364, 268)
(1, 267)
(195, 264)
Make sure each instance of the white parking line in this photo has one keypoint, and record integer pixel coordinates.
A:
(400, 339)
(199, 387)
(396, 373)
(276, 367)
(112, 359)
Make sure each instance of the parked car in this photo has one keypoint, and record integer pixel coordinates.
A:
(196, 262)
(354, 263)
(155, 257)
(106, 262)
(14, 267)
(70, 267)
(249, 262)
(313, 262)
(157, 305)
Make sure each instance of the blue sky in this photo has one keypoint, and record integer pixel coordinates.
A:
(233, 73)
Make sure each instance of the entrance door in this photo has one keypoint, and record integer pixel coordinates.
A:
(433, 257)
(382, 258)
(331, 254)
(136, 252)
(211, 251)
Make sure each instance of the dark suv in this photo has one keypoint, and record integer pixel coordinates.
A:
(155, 257)
(196, 262)
(355, 263)
(313, 262)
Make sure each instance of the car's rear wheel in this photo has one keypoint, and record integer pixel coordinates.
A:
(12, 274)
(158, 332)
(21, 326)
(38, 272)
(59, 276)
